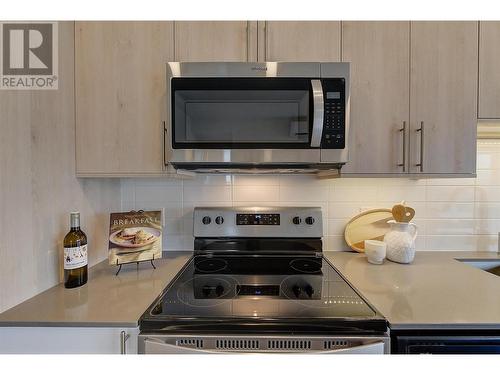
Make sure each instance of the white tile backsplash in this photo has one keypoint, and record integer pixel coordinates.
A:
(451, 213)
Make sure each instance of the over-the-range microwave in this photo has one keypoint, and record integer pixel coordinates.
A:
(257, 117)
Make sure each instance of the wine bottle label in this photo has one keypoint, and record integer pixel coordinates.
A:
(75, 257)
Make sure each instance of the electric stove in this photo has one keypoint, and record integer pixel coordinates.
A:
(259, 272)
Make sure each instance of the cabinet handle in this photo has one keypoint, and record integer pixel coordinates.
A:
(164, 144)
(123, 339)
(421, 130)
(403, 132)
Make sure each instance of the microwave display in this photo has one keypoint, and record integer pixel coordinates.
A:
(333, 95)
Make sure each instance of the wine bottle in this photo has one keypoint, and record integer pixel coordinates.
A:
(75, 254)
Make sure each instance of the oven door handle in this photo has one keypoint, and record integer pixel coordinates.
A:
(318, 112)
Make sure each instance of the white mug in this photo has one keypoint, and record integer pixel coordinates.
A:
(375, 251)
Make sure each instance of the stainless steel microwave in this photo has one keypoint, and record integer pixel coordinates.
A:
(257, 117)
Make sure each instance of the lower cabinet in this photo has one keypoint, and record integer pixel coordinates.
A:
(68, 340)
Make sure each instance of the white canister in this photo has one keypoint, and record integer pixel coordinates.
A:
(375, 251)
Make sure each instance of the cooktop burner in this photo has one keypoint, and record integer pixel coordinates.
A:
(306, 265)
(210, 265)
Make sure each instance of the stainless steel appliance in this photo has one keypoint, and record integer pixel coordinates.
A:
(257, 117)
(258, 283)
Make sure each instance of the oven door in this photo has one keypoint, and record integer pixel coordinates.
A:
(246, 119)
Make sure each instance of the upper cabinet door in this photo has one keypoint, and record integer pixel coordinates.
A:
(215, 41)
(444, 69)
(300, 41)
(489, 73)
(120, 96)
(379, 57)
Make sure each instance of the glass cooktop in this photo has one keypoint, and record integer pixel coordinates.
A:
(264, 291)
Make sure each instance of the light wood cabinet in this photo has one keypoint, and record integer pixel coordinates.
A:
(120, 96)
(68, 340)
(299, 41)
(489, 72)
(215, 41)
(412, 73)
(380, 62)
(443, 97)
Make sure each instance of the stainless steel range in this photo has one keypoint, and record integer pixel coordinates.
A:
(258, 282)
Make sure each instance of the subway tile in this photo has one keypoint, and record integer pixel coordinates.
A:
(450, 227)
(487, 226)
(487, 243)
(256, 193)
(300, 193)
(177, 242)
(208, 179)
(340, 210)
(304, 180)
(488, 177)
(450, 210)
(336, 227)
(454, 242)
(450, 193)
(451, 181)
(207, 193)
(255, 180)
(353, 193)
(487, 193)
(335, 243)
(158, 193)
(397, 193)
(487, 210)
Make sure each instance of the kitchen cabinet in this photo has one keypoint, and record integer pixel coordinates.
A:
(414, 97)
(299, 41)
(120, 96)
(215, 41)
(443, 97)
(69, 340)
(489, 74)
(380, 92)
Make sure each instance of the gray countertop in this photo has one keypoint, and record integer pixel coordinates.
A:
(435, 291)
(106, 299)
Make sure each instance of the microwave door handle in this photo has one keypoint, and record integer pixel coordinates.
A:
(318, 113)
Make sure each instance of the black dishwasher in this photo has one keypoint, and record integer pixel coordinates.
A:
(446, 342)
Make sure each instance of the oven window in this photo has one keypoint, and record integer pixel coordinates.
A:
(247, 116)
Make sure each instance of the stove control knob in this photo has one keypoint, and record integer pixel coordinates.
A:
(297, 290)
(309, 220)
(206, 220)
(219, 220)
(206, 291)
(296, 220)
(219, 290)
(309, 291)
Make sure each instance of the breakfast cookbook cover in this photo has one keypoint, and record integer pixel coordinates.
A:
(134, 236)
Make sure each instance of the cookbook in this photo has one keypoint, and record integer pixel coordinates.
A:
(134, 236)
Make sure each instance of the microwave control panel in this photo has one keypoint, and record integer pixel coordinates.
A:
(334, 113)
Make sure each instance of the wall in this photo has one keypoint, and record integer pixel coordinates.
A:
(38, 187)
(452, 214)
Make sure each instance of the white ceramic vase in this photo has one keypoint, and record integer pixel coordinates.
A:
(400, 242)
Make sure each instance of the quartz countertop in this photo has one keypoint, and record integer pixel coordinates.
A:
(106, 300)
(436, 291)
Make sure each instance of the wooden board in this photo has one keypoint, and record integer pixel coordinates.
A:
(368, 225)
